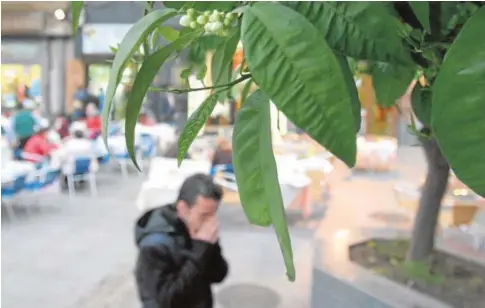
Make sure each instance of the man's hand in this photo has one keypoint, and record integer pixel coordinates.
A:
(208, 232)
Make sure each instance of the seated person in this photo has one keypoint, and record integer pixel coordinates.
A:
(62, 125)
(23, 123)
(145, 118)
(93, 120)
(77, 146)
(79, 112)
(38, 147)
(222, 155)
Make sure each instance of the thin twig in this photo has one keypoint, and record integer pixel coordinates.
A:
(180, 91)
(146, 43)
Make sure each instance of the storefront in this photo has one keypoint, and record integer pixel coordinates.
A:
(24, 67)
(35, 48)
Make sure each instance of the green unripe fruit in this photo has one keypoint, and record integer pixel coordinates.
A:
(202, 19)
(191, 12)
(185, 21)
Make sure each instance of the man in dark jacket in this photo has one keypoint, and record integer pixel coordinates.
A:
(179, 254)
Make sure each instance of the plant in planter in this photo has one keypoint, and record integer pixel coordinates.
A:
(298, 54)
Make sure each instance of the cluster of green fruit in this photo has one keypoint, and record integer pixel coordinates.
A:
(214, 22)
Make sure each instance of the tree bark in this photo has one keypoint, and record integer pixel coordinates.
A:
(423, 234)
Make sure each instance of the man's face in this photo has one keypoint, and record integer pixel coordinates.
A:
(194, 217)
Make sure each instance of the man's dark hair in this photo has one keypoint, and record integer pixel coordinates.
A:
(199, 185)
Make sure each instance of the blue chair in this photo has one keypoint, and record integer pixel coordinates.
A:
(81, 171)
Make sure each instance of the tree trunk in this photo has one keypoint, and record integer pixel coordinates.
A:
(422, 241)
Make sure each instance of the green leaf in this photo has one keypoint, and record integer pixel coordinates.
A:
(352, 88)
(421, 10)
(202, 72)
(301, 76)
(257, 177)
(194, 124)
(458, 104)
(168, 33)
(421, 103)
(143, 80)
(76, 10)
(222, 6)
(391, 82)
(130, 44)
(363, 30)
(186, 72)
(246, 90)
(221, 64)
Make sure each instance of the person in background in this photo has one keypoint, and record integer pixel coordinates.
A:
(223, 152)
(93, 120)
(101, 98)
(78, 112)
(39, 147)
(145, 118)
(81, 94)
(222, 157)
(179, 255)
(77, 146)
(23, 123)
(62, 125)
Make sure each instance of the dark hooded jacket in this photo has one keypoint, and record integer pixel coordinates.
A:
(172, 270)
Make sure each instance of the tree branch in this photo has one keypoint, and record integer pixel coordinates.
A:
(180, 91)
(146, 44)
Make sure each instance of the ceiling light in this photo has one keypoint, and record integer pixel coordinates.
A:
(60, 14)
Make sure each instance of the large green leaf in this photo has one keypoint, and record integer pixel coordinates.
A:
(76, 9)
(364, 30)
(256, 172)
(352, 88)
(168, 33)
(222, 6)
(421, 103)
(301, 76)
(458, 115)
(221, 65)
(391, 82)
(421, 10)
(144, 77)
(130, 44)
(194, 124)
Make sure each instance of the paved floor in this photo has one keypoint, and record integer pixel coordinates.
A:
(79, 253)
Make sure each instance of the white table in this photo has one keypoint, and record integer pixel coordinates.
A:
(14, 169)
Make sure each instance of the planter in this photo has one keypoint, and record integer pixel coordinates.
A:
(455, 211)
(338, 282)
